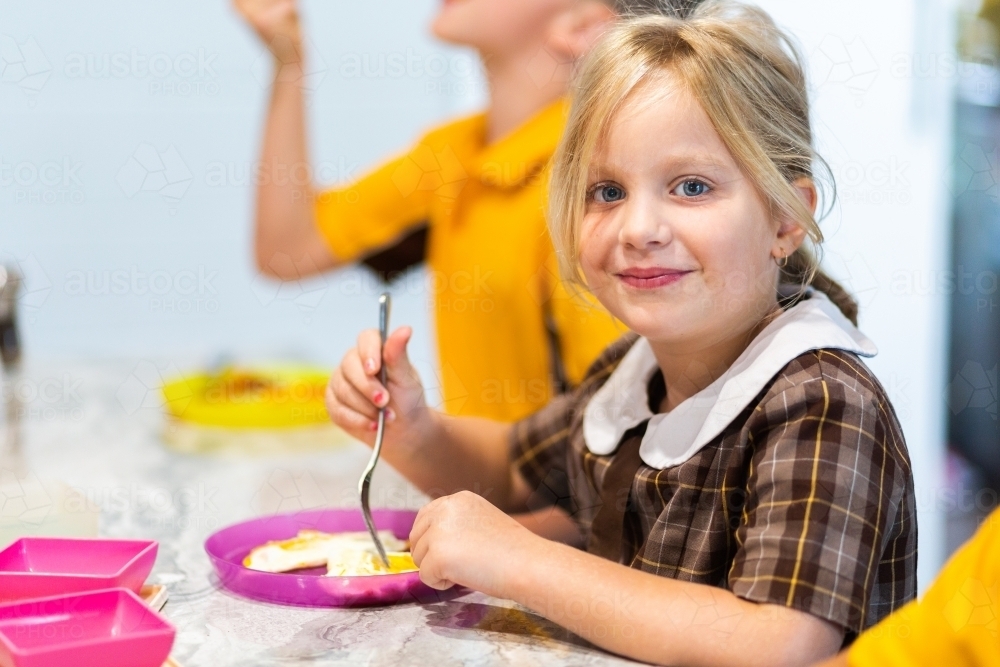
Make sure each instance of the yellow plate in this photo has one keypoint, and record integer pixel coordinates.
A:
(242, 398)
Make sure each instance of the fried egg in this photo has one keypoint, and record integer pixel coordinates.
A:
(343, 554)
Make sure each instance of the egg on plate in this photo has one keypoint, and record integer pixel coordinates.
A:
(343, 554)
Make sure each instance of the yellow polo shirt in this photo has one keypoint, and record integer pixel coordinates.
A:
(505, 323)
(955, 624)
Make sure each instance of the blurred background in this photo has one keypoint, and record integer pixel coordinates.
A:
(128, 140)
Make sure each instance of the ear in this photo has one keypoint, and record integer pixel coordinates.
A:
(791, 234)
(578, 28)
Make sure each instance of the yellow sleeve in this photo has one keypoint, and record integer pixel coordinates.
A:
(370, 213)
(582, 324)
(380, 207)
(957, 621)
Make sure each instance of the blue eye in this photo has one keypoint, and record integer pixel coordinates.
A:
(608, 194)
(691, 188)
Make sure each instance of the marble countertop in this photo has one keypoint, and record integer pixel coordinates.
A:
(92, 459)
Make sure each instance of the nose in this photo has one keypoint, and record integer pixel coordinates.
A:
(644, 225)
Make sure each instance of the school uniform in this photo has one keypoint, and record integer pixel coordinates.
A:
(786, 481)
(509, 333)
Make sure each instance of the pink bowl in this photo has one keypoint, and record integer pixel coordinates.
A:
(109, 628)
(311, 588)
(42, 566)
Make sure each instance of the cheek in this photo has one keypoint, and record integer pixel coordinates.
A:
(735, 260)
(597, 243)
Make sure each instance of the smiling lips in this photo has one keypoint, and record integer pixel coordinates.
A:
(651, 278)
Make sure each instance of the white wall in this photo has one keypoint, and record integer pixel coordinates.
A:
(881, 89)
(184, 93)
(884, 131)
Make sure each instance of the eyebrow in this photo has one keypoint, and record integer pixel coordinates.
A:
(696, 161)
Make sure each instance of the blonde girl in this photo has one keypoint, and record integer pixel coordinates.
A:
(738, 473)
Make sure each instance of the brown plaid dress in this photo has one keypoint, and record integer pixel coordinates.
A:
(805, 500)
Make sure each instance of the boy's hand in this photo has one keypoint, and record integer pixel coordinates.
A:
(464, 540)
(355, 394)
(277, 24)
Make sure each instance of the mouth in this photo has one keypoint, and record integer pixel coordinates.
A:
(651, 278)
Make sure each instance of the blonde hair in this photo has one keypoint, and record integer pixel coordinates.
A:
(679, 8)
(747, 75)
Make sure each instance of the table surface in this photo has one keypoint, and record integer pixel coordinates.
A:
(92, 457)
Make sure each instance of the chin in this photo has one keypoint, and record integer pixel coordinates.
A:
(650, 321)
(450, 26)
(652, 328)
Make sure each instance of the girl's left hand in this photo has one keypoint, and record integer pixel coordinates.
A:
(464, 540)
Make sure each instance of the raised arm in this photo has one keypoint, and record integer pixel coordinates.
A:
(440, 454)
(287, 242)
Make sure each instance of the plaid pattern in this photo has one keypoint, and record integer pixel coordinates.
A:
(805, 500)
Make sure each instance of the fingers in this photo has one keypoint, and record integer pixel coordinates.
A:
(350, 397)
(394, 352)
(420, 546)
(353, 422)
(355, 393)
(363, 387)
(372, 354)
(434, 582)
(422, 522)
(370, 351)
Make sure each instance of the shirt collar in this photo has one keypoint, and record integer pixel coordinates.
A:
(672, 438)
(520, 155)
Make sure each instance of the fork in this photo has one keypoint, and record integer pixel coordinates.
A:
(364, 484)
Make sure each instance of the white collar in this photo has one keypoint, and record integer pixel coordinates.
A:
(672, 438)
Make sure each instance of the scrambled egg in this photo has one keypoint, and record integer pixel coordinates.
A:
(343, 554)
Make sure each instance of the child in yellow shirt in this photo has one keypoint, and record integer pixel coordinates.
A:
(468, 199)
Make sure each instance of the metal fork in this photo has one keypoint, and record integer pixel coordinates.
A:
(364, 485)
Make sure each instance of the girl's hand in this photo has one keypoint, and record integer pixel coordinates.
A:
(463, 540)
(277, 24)
(355, 394)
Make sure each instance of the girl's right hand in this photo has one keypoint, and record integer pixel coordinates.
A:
(277, 24)
(355, 394)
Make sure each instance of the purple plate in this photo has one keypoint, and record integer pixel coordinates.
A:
(310, 588)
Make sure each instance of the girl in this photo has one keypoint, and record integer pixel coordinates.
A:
(738, 472)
